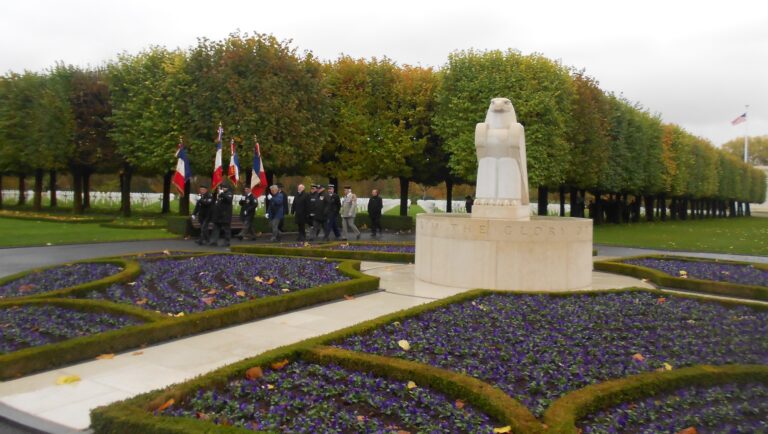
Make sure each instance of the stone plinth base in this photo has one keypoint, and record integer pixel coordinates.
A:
(511, 212)
(544, 253)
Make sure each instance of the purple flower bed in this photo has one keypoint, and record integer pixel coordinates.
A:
(706, 270)
(57, 278)
(376, 248)
(209, 282)
(732, 408)
(33, 325)
(539, 347)
(311, 398)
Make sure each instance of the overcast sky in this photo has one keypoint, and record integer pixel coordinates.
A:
(696, 63)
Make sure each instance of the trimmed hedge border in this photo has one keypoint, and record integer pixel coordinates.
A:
(134, 414)
(164, 328)
(131, 270)
(53, 218)
(563, 414)
(750, 292)
(321, 251)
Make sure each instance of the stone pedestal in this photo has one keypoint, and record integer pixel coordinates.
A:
(543, 253)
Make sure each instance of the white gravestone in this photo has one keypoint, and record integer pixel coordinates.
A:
(502, 174)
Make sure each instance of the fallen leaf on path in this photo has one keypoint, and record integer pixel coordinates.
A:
(348, 297)
(105, 356)
(503, 429)
(67, 379)
(137, 353)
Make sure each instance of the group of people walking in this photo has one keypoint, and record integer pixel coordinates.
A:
(316, 211)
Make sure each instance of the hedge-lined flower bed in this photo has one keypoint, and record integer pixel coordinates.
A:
(208, 282)
(56, 278)
(745, 280)
(744, 274)
(305, 397)
(731, 408)
(362, 251)
(539, 347)
(32, 325)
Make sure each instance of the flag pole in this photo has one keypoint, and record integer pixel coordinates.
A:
(746, 135)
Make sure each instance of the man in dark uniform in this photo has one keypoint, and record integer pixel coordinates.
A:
(317, 210)
(202, 213)
(375, 206)
(222, 215)
(332, 213)
(286, 208)
(300, 211)
(276, 212)
(248, 205)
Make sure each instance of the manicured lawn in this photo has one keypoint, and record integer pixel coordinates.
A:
(18, 233)
(412, 210)
(746, 236)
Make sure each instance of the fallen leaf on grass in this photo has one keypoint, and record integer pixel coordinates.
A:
(286, 290)
(179, 314)
(254, 373)
(279, 365)
(503, 429)
(202, 416)
(166, 404)
(667, 366)
(167, 252)
(142, 301)
(105, 356)
(67, 379)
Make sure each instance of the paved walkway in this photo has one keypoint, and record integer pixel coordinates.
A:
(37, 403)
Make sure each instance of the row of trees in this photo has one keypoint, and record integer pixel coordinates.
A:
(354, 119)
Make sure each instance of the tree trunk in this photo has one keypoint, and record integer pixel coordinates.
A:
(562, 200)
(673, 208)
(596, 214)
(166, 207)
(404, 196)
(37, 203)
(543, 199)
(248, 174)
(77, 191)
(125, 194)
(22, 190)
(648, 208)
(747, 210)
(87, 189)
(573, 196)
(52, 188)
(449, 195)
(663, 207)
(184, 201)
(740, 212)
(732, 208)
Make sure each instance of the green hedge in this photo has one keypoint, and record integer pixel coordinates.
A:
(55, 218)
(562, 415)
(134, 415)
(752, 292)
(322, 251)
(182, 225)
(131, 270)
(163, 328)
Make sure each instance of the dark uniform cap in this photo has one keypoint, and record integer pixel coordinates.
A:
(331, 186)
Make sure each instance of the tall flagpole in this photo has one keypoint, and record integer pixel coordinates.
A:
(746, 134)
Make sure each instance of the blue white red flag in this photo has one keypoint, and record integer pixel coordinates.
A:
(183, 169)
(234, 165)
(218, 172)
(740, 119)
(258, 177)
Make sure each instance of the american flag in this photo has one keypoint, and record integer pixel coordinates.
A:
(740, 119)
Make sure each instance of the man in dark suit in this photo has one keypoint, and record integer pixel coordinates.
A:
(248, 205)
(332, 213)
(317, 205)
(375, 205)
(222, 215)
(203, 213)
(286, 208)
(301, 212)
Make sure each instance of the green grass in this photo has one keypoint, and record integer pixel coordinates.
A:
(412, 210)
(745, 235)
(18, 233)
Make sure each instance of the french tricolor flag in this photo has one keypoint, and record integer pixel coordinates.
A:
(234, 165)
(218, 172)
(183, 169)
(258, 177)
